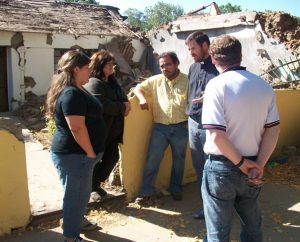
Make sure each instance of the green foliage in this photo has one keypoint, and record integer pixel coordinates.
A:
(153, 16)
(228, 8)
(161, 13)
(82, 1)
(135, 18)
(51, 127)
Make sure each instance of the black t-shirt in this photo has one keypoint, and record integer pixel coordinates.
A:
(74, 101)
(199, 76)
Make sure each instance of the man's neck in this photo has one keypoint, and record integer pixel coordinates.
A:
(175, 76)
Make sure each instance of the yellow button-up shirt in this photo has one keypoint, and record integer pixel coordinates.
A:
(169, 97)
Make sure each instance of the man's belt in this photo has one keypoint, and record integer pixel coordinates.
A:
(224, 158)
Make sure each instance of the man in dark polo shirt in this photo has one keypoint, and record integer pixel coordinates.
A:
(199, 75)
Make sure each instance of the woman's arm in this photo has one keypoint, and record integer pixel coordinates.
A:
(79, 131)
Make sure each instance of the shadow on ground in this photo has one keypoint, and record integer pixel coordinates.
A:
(173, 222)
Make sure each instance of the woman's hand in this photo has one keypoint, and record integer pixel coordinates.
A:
(91, 155)
(127, 109)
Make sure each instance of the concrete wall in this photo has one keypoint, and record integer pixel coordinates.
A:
(14, 198)
(35, 58)
(138, 127)
(164, 40)
(288, 102)
(137, 133)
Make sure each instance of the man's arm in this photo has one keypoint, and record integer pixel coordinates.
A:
(227, 149)
(140, 95)
(267, 146)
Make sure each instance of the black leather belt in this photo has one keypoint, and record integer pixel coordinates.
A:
(224, 158)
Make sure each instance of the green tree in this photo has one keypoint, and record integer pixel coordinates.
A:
(135, 18)
(82, 1)
(228, 8)
(161, 13)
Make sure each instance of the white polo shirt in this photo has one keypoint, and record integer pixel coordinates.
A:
(241, 104)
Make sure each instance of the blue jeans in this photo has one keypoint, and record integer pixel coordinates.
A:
(75, 173)
(224, 189)
(175, 135)
(197, 137)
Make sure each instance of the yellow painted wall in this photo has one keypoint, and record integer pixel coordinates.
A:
(137, 132)
(288, 102)
(138, 127)
(14, 197)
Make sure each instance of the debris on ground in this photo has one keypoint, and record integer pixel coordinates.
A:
(285, 168)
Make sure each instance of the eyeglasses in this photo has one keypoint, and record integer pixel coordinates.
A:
(253, 182)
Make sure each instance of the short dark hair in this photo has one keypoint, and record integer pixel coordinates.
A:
(199, 37)
(226, 50)
(171, 54)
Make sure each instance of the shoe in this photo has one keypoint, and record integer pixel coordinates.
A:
(145, 201)
(177, 196)
(101, 192)
(95, 197)
(199, 214)
(77, 239)
(88, 225)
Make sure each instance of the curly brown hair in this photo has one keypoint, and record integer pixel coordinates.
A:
(226, 50)
(64, 77)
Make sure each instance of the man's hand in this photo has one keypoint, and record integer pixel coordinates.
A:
(127, 108)
(144, 104)
(256, 173)
(248, 165)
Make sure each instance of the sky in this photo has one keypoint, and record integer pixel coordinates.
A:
(289, 6)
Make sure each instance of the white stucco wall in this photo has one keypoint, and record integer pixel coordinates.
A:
(5, 38)
(39, 66)
(87, 42)
(163, 40)
(36, 59)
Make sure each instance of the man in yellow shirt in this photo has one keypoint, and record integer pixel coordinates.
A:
(169, 94)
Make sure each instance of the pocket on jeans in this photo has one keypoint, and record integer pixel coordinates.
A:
(220, 185)
(252, 192)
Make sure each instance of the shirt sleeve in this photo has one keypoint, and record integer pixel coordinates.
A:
(146, 86)
(213, 109)
(74, 103)
(273, 116)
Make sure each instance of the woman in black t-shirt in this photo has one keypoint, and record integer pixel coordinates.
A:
(104, 86)
(78, 141)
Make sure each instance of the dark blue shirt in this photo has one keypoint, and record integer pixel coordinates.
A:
(199, 76)
(74, 101)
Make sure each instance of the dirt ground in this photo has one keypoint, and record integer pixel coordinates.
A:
(172, 220)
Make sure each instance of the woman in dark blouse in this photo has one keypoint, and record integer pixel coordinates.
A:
(78, 141)
(103, 85)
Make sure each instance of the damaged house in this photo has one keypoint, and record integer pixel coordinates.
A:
(34, 35)
(270, 40)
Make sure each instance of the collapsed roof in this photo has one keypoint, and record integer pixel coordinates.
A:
(59, 17)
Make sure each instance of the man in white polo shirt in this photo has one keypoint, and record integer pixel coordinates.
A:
(242, 123)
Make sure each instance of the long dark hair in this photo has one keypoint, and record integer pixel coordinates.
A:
(64, 77)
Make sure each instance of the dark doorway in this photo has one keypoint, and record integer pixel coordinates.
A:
(3, 81)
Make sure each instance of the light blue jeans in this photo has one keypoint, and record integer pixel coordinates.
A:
(175, 135)
(224, 189)
(75, 173)
(197, 137)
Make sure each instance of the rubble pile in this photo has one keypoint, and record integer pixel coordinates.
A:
(31, 112)
(282, 27)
